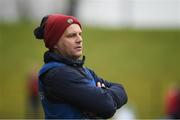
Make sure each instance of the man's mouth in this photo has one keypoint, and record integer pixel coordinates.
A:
(78, 47)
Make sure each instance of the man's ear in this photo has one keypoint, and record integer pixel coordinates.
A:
(55, 47)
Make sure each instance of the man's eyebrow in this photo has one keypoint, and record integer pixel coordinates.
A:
(71, 33)
(74, 32)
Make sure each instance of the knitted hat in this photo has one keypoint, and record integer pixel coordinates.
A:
(52, 27)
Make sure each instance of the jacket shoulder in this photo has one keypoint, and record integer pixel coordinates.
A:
(63, 73)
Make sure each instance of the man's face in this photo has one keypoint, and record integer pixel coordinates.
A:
(70, 43)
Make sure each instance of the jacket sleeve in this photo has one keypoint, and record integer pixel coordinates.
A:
(72, 87)
(117, 91)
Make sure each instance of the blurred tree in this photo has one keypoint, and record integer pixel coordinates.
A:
(73, 7)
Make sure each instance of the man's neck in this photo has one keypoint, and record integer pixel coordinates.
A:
(67, 57)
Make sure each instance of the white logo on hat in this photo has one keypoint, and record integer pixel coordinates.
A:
(70, 21)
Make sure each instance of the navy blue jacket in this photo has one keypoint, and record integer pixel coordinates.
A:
(69, 84)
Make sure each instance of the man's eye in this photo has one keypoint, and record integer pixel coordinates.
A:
(71, 35)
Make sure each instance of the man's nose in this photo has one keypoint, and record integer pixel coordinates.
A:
(79, 38)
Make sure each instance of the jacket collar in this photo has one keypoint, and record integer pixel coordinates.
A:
(50, 56)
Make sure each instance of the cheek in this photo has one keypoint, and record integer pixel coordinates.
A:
(63, 47)
(68, 44)
(66, 47)
(60, 46)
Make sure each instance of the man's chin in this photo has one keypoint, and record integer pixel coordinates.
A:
(77, 56)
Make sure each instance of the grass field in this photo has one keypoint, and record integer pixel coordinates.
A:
(146, 62)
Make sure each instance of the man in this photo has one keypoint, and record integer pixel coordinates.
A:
(172, 102)
(32, 94)
(67, 88)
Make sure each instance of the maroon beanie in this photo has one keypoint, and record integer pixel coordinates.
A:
(55, 26)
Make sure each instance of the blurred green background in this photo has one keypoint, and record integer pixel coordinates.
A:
(146, 62)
